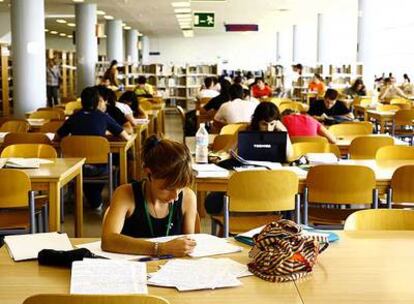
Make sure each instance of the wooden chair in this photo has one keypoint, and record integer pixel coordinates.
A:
(401, 191)
(29, 151)
(55, 109)
(72, 106)
(366, 147)
(94, 299)
(145, 104)
(356, 128)
(257, 191)
(232, 129)
(395, 152)
(403, 124)
(380, 219)
(17, 208)
(341, 185)
(294, 106)
(224, 142)
(317, 139)
(26, 138)
(181, 112)
(302, 148)
(15, 126)
(49, 115)
(387, 107)
(51, 126)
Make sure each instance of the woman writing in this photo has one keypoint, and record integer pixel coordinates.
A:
(161, 205)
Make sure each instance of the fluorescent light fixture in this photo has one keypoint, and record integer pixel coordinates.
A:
(62, 35)
(72, 24)
(127, 28)
(53, 32)
(183, 10)
(46, 30)
(181, 4)
(108, 17)
(69, 36)
(78, 1)
(184, 16)
(100, 13)
(61, 21)
(188, 33)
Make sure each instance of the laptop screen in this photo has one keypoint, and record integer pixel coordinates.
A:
(262, 146)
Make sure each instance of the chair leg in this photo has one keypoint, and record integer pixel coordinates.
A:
(45, 217)
(389, 198)
(110, 176)
(62, 205)
(213, 227)
(305, 206)
(297, 208)
(226, 215)
(32, 220)
(375, 198)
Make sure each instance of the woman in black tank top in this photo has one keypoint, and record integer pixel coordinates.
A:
(161, 205)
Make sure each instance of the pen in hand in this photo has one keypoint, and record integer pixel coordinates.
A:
(156, 258)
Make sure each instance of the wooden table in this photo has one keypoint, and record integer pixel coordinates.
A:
(121, 147)
(51, 178)
(23, 279)
(382, 117)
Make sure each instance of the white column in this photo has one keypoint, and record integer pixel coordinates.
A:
(294, 43)
(29, 63)
(362, 31)
(132, 46)
(86, 45)
(145, 50)
(319, 37)
(277, 46)
(114, 40)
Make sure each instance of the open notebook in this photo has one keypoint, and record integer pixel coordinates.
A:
(23, 163)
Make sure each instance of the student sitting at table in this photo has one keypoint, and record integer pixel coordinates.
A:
(214, 104)
(329, 110)
(317, 85)
(143, 89)
(357, 89)
(390, 91)
(208, 90)
(260, 89)
(298, 124)
(128, 103)
(92, 120)
(161, 205)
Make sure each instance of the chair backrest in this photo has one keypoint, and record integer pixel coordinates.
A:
(404, 117)
(340, 184)
(262, 191)
(335, 150)
(366, 147)
(94, 148)
(224, 142)
(48, 115)
(402, 106)
(380, 219)
(14, 188)
(15, 126)
(400, 100)
(388, 107)
(363, 101)
(94, 299)
(317, 139)
(29, 151)
(402, 184)
(51, 126)
(26, 138)
(396, 152)
(60, 110)
(72, 106)
(356, 128)
(232, 129)
(301, 148)
(203, 101)
(293, 105)
(145, 104)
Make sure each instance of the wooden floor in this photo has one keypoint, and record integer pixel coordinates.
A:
(93, 218)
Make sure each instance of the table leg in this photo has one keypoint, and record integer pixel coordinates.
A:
(382, 125)
(54, 207)
(133, 161)
(123, 167)
(201, 196)
(79, 205)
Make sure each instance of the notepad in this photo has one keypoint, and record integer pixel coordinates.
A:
(207, 245)
(209, 170)
(206, 273)
(27, 246)
(141, 121)
(26, 163)
(321, 158)
(97, 276)
(95, 248)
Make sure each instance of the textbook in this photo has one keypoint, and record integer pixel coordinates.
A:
(247, 237)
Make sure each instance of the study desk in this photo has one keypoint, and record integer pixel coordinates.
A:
(23, 279)
(344, 142)
(382, 117)
(51, 178)
(121, 147)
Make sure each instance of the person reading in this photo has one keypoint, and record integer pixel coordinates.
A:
(161, 205)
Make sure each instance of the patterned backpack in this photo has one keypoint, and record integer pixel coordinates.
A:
(281, 253)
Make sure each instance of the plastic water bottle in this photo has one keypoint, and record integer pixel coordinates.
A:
(202, 145)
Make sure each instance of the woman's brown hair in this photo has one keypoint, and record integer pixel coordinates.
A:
(168, 160)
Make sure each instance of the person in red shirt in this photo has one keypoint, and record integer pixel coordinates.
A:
(317, 85)
(260, 89)
(304, 125)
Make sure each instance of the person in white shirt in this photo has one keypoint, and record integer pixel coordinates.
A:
(208, 91)
(237, 110)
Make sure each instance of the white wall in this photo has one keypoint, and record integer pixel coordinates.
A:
(59, 43)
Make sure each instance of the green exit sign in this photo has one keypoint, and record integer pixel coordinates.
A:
(203, 19)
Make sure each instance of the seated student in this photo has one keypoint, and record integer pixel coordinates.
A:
(161, 205)
(317, 85)
(237, 110)
(130, 99)
(208, 91)
(329, 109)
(260, 89)
(390, 91)
(91, 120)
(247, 96)
(357, 89)
(304, 125)
(214, 104)
(143, 88)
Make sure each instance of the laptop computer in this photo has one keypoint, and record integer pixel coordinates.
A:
(262, 146)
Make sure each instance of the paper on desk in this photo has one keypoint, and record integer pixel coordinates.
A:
(2, 136)
(141, 121)
(210, 170)
(321, 158)
(206, 273)
(207, 245)
(268, 164)
(27, 246)
(95, 248)
(97, 276)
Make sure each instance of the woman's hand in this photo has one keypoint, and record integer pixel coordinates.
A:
(178, 247)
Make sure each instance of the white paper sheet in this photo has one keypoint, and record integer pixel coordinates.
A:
(210, 170)
(97, 276)
(27, 246)
(95, 248)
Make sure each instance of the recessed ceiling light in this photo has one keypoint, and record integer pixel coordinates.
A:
(53, 32)
(62, 21)
(127, 27)
(69, 36)
(62, 35)
(182, 10)
(100, 13)
(46, 30)
(72, 24)
(180, 4)
(188, 33)
(184, 16)
(108, 17)
(78, 1)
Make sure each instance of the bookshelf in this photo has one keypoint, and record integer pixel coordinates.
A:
(6, 102)
(67, 61)
(274, 76)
